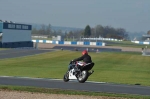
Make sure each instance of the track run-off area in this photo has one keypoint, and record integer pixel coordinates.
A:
(60, 84)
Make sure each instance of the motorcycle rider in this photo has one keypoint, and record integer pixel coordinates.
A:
(86, 58)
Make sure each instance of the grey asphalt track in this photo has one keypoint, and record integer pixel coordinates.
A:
(91, 49)
(73, 85)
(11, 53)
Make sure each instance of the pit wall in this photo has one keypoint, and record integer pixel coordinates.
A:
(70, 42)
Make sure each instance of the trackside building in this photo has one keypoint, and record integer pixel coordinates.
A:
(15, 35)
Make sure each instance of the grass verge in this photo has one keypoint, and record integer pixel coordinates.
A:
(126, 44)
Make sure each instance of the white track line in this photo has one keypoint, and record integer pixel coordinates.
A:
(45, 79)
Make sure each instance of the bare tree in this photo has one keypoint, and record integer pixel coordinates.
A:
(48, 30)
(99, 31)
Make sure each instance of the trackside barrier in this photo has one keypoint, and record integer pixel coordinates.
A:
(80, 43)
(60, 42)
(99, 43)
(70, 42)
(73, 42)
(53, 42)
(92, 43)
(86, 43)
(37, 41)
(44, 41)
(16, 44)
(141, 42)
(67, 42)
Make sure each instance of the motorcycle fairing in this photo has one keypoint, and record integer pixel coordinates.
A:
(71, 74)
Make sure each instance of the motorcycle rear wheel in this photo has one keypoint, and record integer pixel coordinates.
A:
(83, 76)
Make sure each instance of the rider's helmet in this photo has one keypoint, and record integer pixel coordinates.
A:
(84, 52)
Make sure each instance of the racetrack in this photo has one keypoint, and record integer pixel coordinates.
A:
(90, 47)
(12, 53)
(73, 85)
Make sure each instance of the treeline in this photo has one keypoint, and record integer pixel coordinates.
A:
(109, 32)
(96, 32)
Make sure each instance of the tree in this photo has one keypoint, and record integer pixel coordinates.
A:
(34, 31)
(122, 34)
(70, 34)
(42, 31)
(48, 30)
(99, 31)
(148, 32)
(87, 31)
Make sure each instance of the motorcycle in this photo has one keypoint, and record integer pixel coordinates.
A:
(79, 71)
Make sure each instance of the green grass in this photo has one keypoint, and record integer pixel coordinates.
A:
(126, 44)
(115, 67)
(2, 48)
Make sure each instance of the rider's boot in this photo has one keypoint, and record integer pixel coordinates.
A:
(91, 72)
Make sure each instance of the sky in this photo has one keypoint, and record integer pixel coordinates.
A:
(132, 15)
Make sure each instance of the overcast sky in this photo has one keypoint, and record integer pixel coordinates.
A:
(132, 15)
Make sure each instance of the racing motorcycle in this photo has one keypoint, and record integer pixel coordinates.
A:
(79, 71)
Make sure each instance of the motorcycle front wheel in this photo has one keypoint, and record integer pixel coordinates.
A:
(66, 77)
(83, 76)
